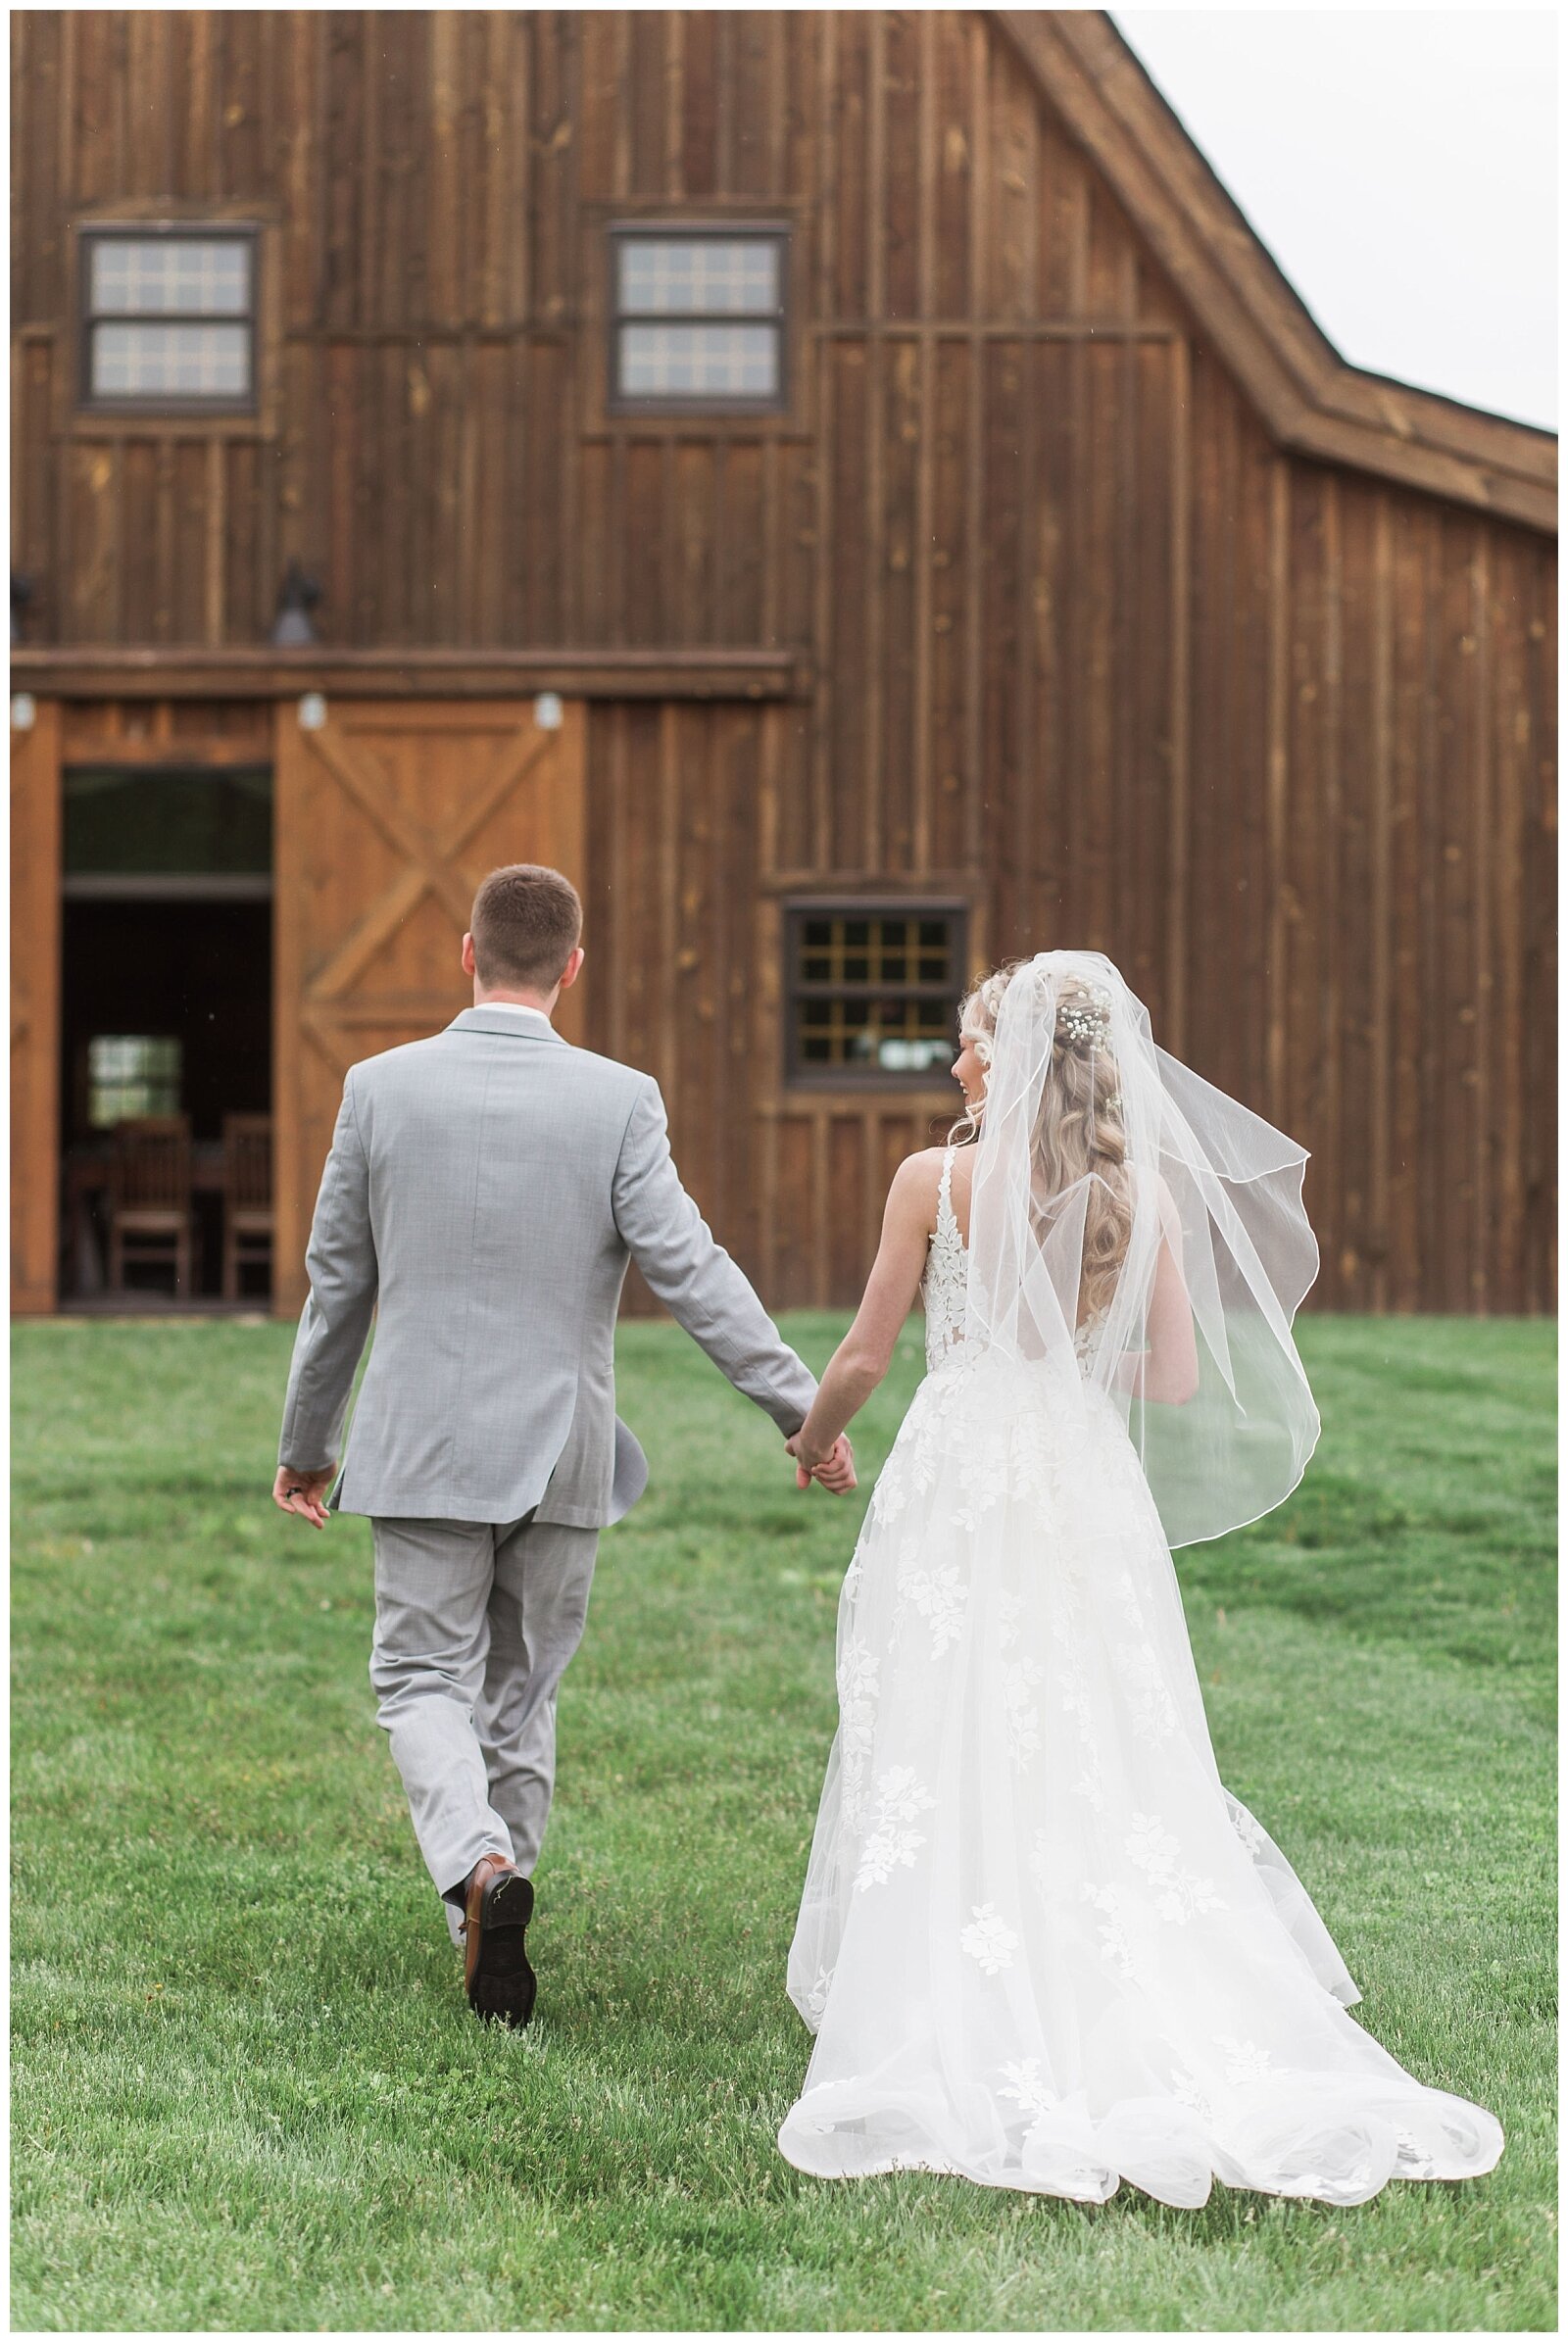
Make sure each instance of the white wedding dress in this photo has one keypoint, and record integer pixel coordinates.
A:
(1041, 1946)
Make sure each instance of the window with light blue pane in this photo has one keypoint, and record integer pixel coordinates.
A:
(698, 318)
(169, 318)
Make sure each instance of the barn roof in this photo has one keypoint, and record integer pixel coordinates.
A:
(1311, 401)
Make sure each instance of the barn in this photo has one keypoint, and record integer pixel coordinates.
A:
(845, 484)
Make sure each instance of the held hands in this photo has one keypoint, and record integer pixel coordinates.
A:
(835, 1470)
(304, 1492)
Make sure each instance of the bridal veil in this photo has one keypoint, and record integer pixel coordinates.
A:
(1202, 1174)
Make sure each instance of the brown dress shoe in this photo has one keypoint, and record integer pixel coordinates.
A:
(495, 1965)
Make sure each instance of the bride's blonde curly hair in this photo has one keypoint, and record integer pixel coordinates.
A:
(1079, 1129)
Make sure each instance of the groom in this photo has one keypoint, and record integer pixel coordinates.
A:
(485, 1191)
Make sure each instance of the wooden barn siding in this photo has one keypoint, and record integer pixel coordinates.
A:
(1369, 862)
(1084, 645)
(428, 352)
(1366, 945)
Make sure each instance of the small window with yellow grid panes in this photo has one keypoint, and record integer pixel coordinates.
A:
(873, 992)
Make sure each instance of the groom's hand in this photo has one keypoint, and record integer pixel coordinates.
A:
(304, 1492)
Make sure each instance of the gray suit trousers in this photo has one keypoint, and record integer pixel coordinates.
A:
(475, 1626)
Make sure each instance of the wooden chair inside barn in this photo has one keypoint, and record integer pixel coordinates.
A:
(247, 1198)
(150, 1219)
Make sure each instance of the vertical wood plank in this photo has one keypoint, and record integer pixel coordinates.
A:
(1452, 780)
(1008, 808)
(851, 78)
(698, 158)
(1179, 768)
(917, 854)
(1331, 907)
(644, 100)
(70, 26)
(855, 587)
(940, 825)
(724, 101)
(213, 516)
(672, 126)
(1419, 900)
(753, 131)
(243, 503)
(1278, 783)
(900, 426)
(1510, 758)
(147, 66)
(1301, 853)
(901, 96)
(1481, 799)
(1350, 630)
(438, 61)
(570, 108)
(346, 166)
(239, 148)
(822, 1203)
(1382, 948)
(669, 881)
(847, 1138)
(776, 129)
(979, 129)
(1540, 922)
(877, 193)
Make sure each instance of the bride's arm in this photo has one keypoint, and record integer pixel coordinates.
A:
(1168, 1370)
(863, 1357)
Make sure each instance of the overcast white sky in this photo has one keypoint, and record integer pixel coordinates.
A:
(1401, 166)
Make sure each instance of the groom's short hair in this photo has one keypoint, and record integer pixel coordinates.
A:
(525, 925)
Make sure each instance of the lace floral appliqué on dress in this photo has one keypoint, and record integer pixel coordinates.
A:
(943, 1289)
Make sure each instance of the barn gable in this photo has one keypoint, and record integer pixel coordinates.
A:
(1311, 401)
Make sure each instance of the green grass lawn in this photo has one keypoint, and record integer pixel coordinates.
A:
(248, 2091)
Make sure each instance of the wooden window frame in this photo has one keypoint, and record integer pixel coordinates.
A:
(859, 1081)
(705, 229)
(130, 405)
(116, 422)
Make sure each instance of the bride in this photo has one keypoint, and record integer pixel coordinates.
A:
(1041, 1945)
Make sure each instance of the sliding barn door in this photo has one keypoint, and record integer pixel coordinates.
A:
(388, 816)
(35, 1012)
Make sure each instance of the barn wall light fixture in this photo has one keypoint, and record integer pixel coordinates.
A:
(297, 597)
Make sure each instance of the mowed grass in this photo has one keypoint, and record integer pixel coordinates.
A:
(248, 2092)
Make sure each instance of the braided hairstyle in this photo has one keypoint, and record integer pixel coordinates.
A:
(1078, 1131)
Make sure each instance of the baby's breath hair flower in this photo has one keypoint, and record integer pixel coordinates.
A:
(1086, 1016)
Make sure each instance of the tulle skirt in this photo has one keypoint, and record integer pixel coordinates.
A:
(1040, 1944)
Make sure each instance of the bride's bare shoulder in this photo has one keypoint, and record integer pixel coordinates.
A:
(919, 1171)
(917, 1182)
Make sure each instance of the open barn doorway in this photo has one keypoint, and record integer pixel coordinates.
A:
(165, 1036)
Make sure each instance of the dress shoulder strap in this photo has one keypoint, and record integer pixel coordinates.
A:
(945, 1187)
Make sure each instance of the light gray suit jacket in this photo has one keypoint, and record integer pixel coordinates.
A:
(485, 1191)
